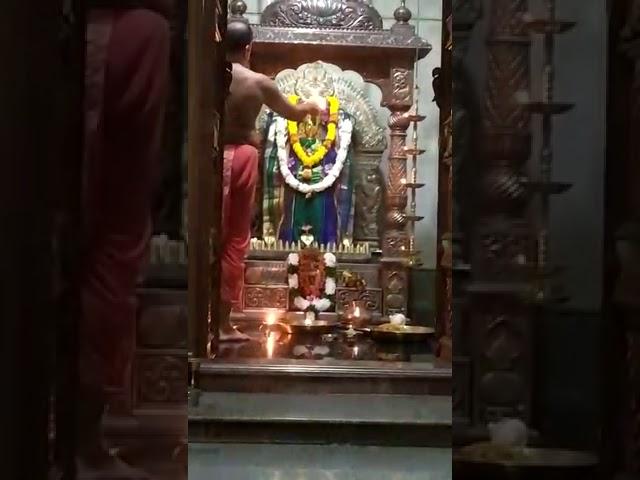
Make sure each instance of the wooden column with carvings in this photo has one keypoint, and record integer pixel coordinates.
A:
(206, 27)
(466, 125)
(398, 98)
(502, 239)
(443, 90)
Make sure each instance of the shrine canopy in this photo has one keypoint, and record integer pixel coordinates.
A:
(348, 34)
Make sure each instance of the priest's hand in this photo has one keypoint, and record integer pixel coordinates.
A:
(311, 108)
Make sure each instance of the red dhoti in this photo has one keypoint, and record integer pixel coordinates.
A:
(126, 81)
(239, 187)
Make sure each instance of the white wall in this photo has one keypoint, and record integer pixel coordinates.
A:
(427, 17)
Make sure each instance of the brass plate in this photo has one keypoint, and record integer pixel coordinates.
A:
(318, 327)
(410, 333)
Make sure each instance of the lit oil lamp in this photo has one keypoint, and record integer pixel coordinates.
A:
(357, 315)
(273, 329)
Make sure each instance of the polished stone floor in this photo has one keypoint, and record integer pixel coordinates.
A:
(316, 462)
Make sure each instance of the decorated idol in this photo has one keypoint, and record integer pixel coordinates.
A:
(307, 166)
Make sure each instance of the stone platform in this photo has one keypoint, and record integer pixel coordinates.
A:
(316, 462)
(355, 419)
(323, 389)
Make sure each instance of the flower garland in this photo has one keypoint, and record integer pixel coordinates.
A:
(345, 128)
(319, 151)
(313, 304)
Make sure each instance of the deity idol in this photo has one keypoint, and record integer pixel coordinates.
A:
(308, 180)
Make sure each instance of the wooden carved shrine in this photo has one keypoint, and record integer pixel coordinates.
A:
(334, 50)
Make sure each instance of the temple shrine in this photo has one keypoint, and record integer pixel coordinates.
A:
(327, 297)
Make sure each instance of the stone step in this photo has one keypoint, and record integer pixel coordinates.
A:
(357, 419)
(316, 462)
(325, 377)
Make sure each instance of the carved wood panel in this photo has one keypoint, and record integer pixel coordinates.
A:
(372, 297)
(369, 191)
(501, 332)
(161, 380)
(350, 15)
(395, 285)
(265, 297)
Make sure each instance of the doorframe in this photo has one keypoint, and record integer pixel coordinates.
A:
(206, 77)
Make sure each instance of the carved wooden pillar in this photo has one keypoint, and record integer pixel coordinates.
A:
(443, 91)
(502, 241)
(395, 246)
(465, 126)
(207, 23)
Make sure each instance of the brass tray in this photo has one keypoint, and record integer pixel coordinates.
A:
(318, 327)
(410, 333)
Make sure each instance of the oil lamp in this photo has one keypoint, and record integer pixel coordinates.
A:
(273, 329)
(357, 315)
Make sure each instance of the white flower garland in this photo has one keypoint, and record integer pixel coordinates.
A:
(345, 129)
(318, 304)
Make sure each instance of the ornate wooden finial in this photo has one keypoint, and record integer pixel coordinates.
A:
(238, 8)
(402, 14)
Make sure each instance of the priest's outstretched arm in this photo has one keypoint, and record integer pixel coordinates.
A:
(276, 101)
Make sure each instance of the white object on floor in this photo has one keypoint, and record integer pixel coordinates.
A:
(509, 432)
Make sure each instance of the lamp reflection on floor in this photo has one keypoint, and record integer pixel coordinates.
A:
(271, 344)
(274, 332)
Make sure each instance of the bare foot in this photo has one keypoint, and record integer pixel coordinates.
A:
(110, 469)
(233, 335)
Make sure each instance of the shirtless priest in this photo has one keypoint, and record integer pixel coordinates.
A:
(248, 93)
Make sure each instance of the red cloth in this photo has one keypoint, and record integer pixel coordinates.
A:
(126, 80)
(239, 187)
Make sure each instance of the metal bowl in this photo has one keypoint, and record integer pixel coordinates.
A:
(409, 333)
(317, 327)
